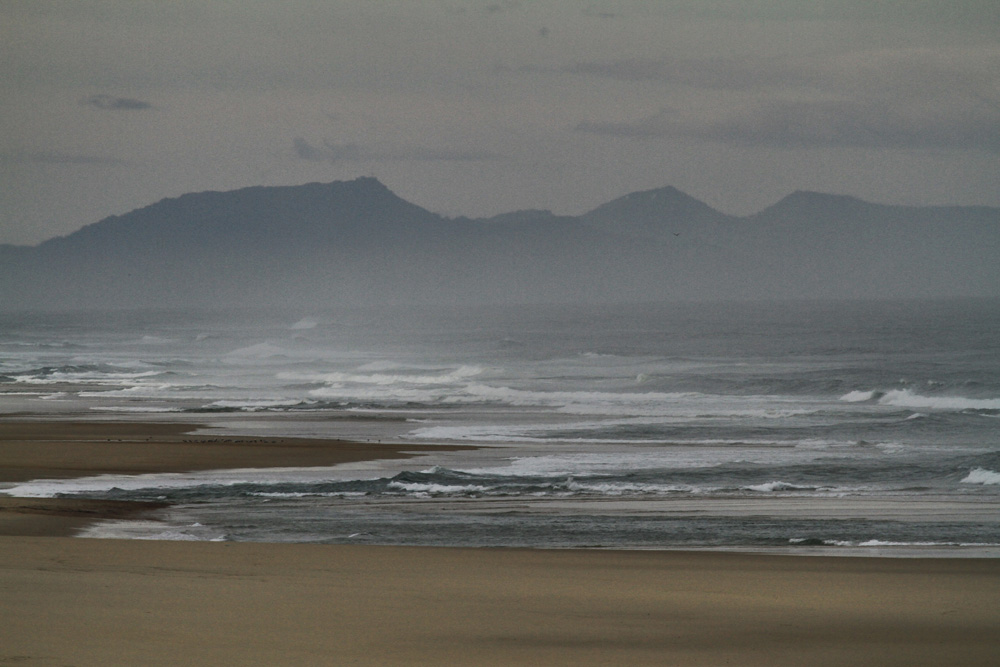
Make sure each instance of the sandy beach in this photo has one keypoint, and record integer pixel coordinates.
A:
(68, 449)
(102, 602)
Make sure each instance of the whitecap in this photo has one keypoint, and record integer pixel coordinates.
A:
(982, 476)
(770, 487)
(858, 396)
(907, 399)
(437, 489)
(129, 408)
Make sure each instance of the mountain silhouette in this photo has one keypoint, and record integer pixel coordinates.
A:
(356, 242)
(656, 214)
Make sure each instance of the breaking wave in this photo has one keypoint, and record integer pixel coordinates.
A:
(981, 476)
(907, 398)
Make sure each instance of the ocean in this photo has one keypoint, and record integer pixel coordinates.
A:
(804, 427)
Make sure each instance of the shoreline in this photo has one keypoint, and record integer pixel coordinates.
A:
(40, 447)
(56, 449)
(68, 600)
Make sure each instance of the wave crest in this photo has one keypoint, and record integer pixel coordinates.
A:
(907, 398)
(982, 476)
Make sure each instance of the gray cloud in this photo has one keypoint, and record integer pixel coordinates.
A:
(111, 103)
(719, 73)
(824, 123)
(590, 11)
(59, 158)
(662, 123)
(888, 98)
(497, 7)
(327, 152)
(913, 72)
(424, 153)
(330, 152)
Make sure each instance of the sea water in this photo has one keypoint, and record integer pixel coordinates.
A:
(851, 427)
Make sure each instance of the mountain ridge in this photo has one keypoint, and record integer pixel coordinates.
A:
(358, 242)
(372, 189)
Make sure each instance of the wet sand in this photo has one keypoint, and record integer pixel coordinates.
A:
(68, 449)
(100, 602)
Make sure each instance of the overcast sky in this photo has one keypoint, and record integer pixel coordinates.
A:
(470, 107)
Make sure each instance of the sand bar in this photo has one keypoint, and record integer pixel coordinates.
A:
(69, 449)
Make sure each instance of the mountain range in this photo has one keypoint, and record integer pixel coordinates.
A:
(356, 242)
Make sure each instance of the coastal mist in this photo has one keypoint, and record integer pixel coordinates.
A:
(846, 427)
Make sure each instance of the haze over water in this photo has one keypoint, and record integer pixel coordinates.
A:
(845, 426)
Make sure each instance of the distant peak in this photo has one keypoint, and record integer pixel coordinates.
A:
(817, 205)
(815, 194)
(363, 187)
(666, 192)
(368, 182)
(812, 198)
(667, 200)
(525, 215)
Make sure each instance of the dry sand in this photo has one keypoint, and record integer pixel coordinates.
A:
(66, 601)
(109, 602)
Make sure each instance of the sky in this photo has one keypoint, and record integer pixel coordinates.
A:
(480, 107)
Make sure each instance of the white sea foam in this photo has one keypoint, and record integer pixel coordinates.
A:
(982, 476)
(621, 489)
(887, 543)
(601, 432)
(339, 380)
(132, 408)
(304, 323)
(686, 405)
(770, 487)
(86, 377)
(48, 488)
(858, 396)
(464, 385)
(583, 464)
(257, 404)
(891, 447)
(138, 391)
(151, 530)
(890, 543)
(906, 398)
(279, 495)
(438, 489)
